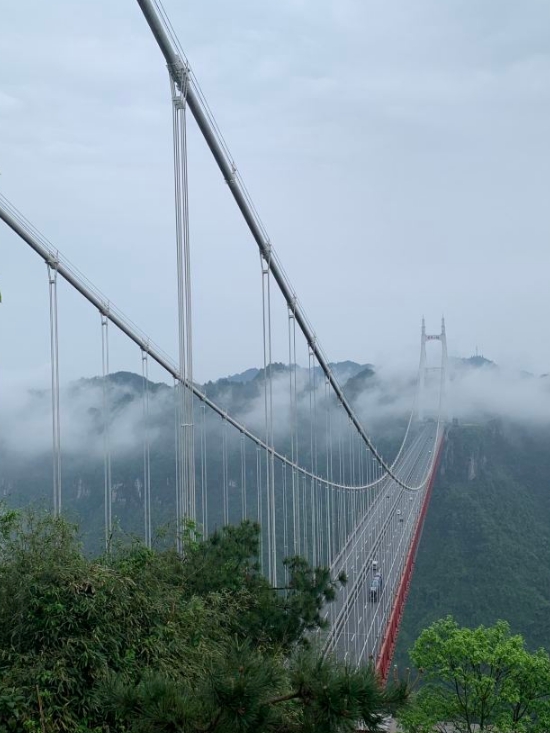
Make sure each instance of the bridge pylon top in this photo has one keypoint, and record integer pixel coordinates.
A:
(425, 337)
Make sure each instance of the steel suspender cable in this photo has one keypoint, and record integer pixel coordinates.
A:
(189, 404)
(291, 425)
(259, 486)
(181, 504)
(341, 473)
(268, 408)
(225, 479)
(204, 475)
(317, 483)
(260, 502)
(56, 413)
(146, 449)
(265, 276)
(244, 512)
(351, 455)
(340, 480)
(271, 452)
(312, 460)
(328, 497)
(107, 478)
(302, 515)
(285, 517)
(293, 367)
(186, 427)
(323, 522)
(177, 458)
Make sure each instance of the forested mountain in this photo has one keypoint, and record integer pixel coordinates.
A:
(25, 446)
(485, 551)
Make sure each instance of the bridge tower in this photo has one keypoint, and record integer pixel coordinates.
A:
(423, 369)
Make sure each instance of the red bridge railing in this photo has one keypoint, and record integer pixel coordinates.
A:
(392, 630)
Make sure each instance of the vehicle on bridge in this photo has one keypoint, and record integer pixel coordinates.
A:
(375, 588)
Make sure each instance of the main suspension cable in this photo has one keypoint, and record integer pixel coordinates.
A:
(63, 267)
(183, 78)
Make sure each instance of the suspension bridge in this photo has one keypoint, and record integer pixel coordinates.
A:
(318, 486)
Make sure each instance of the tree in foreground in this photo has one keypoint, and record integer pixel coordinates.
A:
(478, 679)
(144, 641)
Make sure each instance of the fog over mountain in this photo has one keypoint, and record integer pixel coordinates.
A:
(477, 390)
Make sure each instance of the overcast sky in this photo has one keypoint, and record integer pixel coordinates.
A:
(398, 153)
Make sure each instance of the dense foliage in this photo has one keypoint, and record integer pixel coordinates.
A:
(478, 679)
(485, 550)
(143, 640)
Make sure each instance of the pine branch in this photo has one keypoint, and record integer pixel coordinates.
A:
(285, 698)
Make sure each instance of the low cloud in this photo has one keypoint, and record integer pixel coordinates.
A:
(26, 428)
(381, 398)
(489, 391)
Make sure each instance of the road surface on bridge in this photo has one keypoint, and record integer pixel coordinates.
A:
(358, 618)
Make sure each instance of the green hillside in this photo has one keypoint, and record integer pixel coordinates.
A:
(485, 550)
